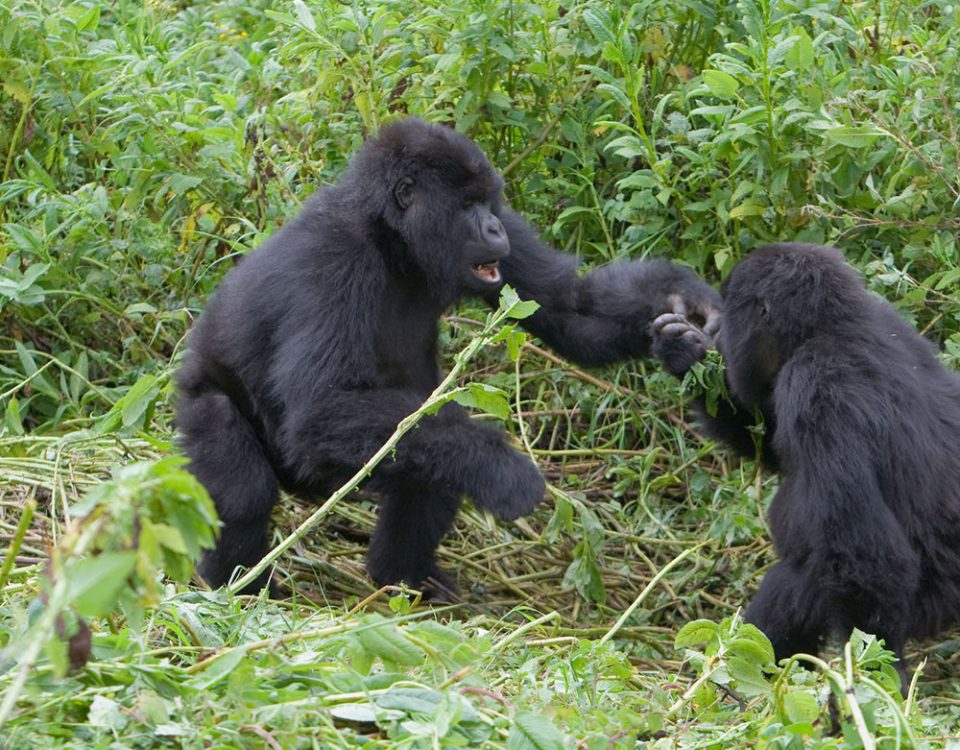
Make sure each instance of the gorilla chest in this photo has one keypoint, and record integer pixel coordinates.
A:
(405, 345)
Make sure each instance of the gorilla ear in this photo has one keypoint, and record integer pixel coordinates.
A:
(402, 193)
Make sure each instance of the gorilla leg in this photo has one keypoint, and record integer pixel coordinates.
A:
(412, 520)
(790, 610)
(228, 459)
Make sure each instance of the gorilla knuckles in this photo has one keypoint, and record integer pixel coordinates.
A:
(862, 422)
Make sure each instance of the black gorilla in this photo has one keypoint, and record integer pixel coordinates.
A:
(863, 423)
(322, 340)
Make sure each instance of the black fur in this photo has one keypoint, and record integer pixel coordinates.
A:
(863, 423)
(322, 340)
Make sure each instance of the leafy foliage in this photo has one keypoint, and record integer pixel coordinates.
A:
(146, 146)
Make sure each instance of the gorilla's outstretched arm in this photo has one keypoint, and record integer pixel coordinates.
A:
(447, 450)
(604, 316)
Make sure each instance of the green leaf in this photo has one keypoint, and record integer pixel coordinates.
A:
(748, 676)
(410, 700)
(385, 641)
(304, 16)
(90, 19)
(181, 183)
(106, 713)
(138, 399)
(523, 309)
(721, 84)
(486, 398)
(751, 651)
(854, 136)
(801, 707)
(800, 56)
(94, 584)
(532, 731)
(759, 643)
(168, 536)
(696, 633)
(747, 209)
(138, 308)
(11, 418)
(17, 90)
(219, 669)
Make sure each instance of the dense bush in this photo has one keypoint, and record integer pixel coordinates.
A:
(144, 146)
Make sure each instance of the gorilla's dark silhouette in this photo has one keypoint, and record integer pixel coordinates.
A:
(319, 342)
(862, 421)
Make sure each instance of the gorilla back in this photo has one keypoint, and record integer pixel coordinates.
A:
(319, 342)
(862, 422)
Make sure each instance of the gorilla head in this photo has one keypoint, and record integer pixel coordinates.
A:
(437, 202)
(775, 299)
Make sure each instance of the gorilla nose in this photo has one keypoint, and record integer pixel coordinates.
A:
(494, 235)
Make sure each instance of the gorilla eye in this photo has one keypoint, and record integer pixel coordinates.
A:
(403, 193)
(764, 309)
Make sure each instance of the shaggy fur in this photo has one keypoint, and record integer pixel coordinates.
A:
(863, 423)
(319, 342)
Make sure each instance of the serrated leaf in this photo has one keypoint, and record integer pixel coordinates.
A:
(721, 84)
(753, 633)
(750, 679)
(385, 641)
(533, 732)
(751, 650)
(168, 536)
(486, 398)
(523, 309)
(17, 90)
(696, 633)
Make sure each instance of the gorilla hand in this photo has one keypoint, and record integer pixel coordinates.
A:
(678, 342)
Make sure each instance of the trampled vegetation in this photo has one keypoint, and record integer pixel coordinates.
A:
(145, 146)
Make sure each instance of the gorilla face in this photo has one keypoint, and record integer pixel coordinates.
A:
(453, 232)
(479, 263)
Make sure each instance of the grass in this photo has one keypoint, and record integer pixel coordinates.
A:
(143, 147)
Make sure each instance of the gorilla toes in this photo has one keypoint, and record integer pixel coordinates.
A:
(678, 343)
(515, 489)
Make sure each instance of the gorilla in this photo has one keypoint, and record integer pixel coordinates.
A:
(862, 422)
(320, 341)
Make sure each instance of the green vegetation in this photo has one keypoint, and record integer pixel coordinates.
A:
(143, 146)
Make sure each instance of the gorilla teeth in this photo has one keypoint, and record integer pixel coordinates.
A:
(487, 271)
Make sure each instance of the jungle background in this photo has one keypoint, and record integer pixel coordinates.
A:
(146, 146)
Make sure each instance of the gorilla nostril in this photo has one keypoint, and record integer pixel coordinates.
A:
(494, 228)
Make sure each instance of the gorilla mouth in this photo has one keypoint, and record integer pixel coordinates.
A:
(488, 272)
